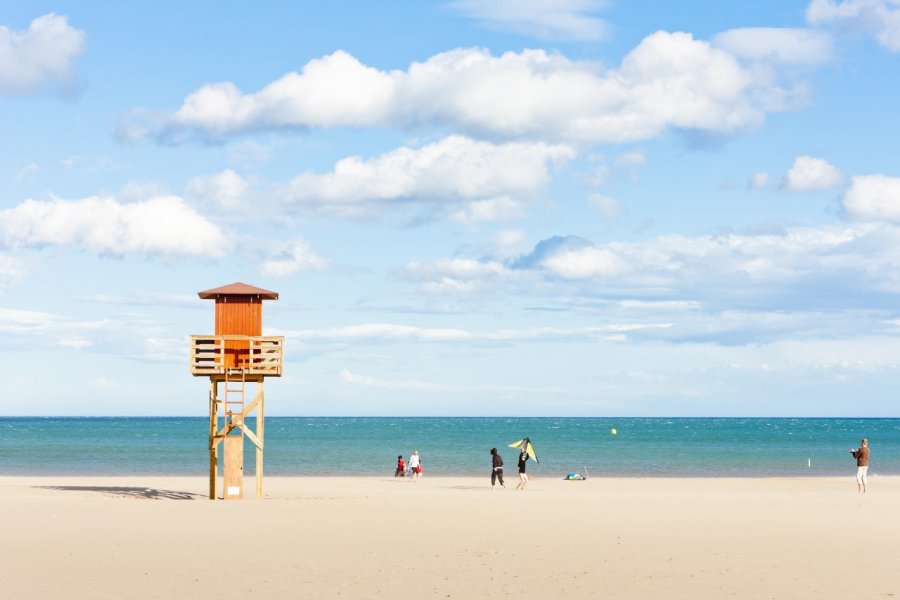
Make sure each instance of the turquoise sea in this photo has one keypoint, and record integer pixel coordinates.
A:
(643, 447)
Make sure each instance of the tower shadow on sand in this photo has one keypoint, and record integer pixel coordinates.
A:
(143, 493)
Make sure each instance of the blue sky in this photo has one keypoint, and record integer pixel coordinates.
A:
(576, 207)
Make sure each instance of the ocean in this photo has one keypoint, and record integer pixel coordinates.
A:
(642, 447)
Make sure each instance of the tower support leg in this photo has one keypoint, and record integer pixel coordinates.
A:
(260, 432)
(213, 446)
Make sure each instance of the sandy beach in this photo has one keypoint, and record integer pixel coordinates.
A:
(449, 537)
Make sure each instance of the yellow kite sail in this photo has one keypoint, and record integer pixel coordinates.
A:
(525, 444)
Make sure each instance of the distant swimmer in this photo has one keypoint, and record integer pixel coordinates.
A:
(861, 455)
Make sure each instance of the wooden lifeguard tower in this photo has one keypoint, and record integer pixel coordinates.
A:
(236, 355)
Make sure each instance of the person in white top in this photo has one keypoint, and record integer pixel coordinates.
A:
(415, 467)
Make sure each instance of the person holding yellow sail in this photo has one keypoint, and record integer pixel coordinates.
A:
(526, 451)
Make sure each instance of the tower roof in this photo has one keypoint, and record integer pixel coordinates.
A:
(238, 289)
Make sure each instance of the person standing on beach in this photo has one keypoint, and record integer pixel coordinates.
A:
(861, 455)
(415, 468)
(523, 478)
(401, 467)
(497, 470)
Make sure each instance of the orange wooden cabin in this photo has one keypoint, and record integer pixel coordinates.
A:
(238, 313)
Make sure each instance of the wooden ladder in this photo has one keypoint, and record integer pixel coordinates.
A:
(234, 397)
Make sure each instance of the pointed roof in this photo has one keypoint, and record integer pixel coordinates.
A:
(238, 289)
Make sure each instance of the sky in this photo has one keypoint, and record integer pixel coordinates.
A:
(517, 207)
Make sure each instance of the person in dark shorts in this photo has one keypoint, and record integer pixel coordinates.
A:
(861, 455)
(523, 478)
(401, 467)
(497, 468)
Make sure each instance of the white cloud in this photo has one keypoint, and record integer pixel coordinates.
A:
(11, 271)
(455, 276)
(797, 267)
(777, 45)
(758, 181)
(44, 54)
(608, 207)
(163, 225)
(86, 164)
(143, 299)
(508, 243)
(810, 174)
(879, 17)
(417, 385)
(412, 384)
(873, 198)
(124, 335)
(566, 20)
(335, 90)
(474, 181)
(669, 81)
(293, 258)
(393, 332)
(585, 263)
(502, 208)
(225, 190)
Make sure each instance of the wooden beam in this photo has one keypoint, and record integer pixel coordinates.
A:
(260, 424)
(255, 440)
(213, 445)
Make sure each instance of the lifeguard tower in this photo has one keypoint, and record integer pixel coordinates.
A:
(235, 356)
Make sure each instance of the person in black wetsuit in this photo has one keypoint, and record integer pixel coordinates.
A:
(523, 478)
(497, 468)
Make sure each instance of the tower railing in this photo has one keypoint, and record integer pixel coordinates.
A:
(212, 355)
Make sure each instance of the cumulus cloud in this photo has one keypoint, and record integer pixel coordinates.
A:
(163, 225)
(43, 55)
(873, 198)
(467, 179)
(670, 81)
(878, 17)
(777, 45)
(810, 174)
(567, 20)
(572, 257)
(293, 258)
(223, 190)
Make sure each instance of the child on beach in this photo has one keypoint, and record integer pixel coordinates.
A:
(401, 467)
